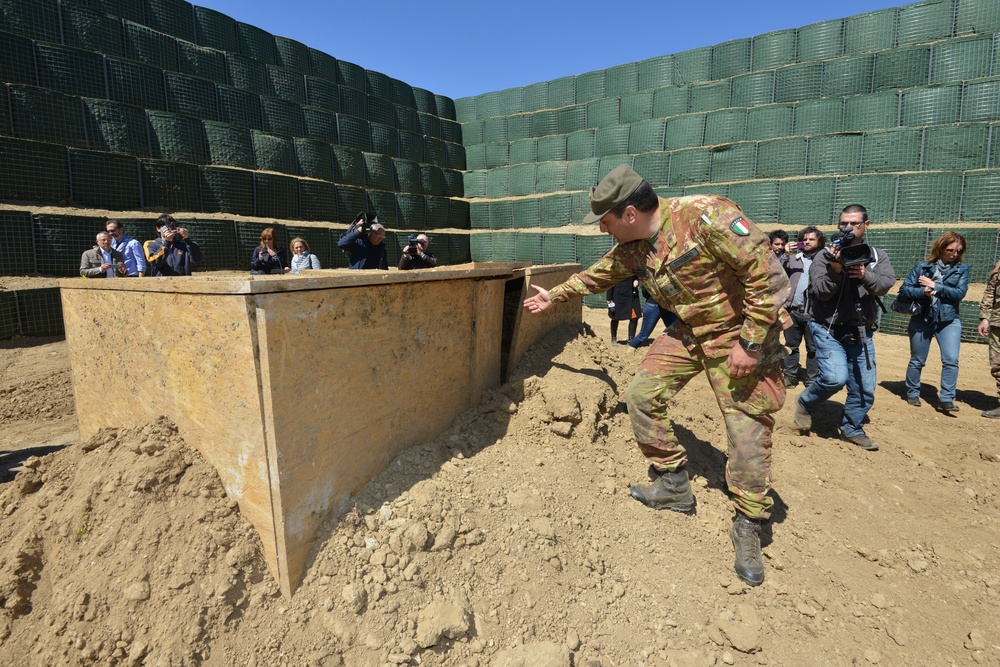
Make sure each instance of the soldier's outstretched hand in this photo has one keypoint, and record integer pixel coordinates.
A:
(539, 302)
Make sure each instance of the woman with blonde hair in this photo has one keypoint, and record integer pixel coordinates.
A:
(302, 258)
(939, 284)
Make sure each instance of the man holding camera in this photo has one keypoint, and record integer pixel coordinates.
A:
(363, 243)
(102, 261)
(416, 255)
(174, 253)
(846, 283)
(799, 259)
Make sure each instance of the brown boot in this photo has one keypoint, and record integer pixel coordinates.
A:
(992, 414)
(669, 491)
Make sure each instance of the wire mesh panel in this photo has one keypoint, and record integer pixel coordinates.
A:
(725, 126)
(981, 199)
(522, 179)
(383, 111)
(503, 246)
(544, 123)
(9, 324)
(553, 147)
(353, 102)
(59, 240)
(754, 89)
(33, 171)
(709, 95)
(45, 115)
(84, 28)
(955, 147)
(572, 119)
(600, 113)
(589, 249)
(982, 245)
(501, 214)
(510, 101)
(646, 136)
(636, 106)
(317, 201)
(798, 82)
(466, 109)
(281, 117)
(559, 249)
(528, 247)
(524, 150)
(902, 68)
(654, 167)
(350, 202)
(173, 17)
(16, 229)
(488, 105)
(452, 179)
(498, 182)
(115, 128)
(226, 190)
(607, 163)
(782, 157)
(823, 116)
(590, 86)
(239, 107)
(276, 196)
(479, 215)
(474, 183)
(730, 58)
(929, 197)
(435, 152)
(431, 180)
(876, 111)
(436, 212)
(406, 119)
(922, 22)
(322, 93)
(37, 19)
(17, 60)
(384, 139)
(685, 131)
(150, 47)
(424, 100)
(932, 105)
(292, 55)
(354, 132)
(758, 199)
(580, 145)
(850, 75)
(961, 59)
(671, 101)
(612, 140)
(871, 31)
(201, 62)
(621, 79)
(317, 239)
(527, 213)
(68, 70)
(550, 177)
(190, 96)
(693, 65)
(378, 84)
(977, 16)
(170, 186)
(412, 213)
(320, 125)
(348, 166)
(656, 72)
(807, 201)
(495, 130)
(458, 214)
(286, 84)
(734, 162)
(40, 312)
(834, 154)
(384, 203)
(313, 159)
(821, 41)
(497, 155)
(452, 131)
(876, 192)
(247, 74)
(407, 176)
(897, 149)
(215, 29)
(905, 247)
(229, 145)
(103, 180)
(773, 120)
(982, 100)
(773, 49)
(255, 43)
(690, 166)
(273, 153)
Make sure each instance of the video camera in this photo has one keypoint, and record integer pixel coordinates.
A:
(850, 255)
(362, 221)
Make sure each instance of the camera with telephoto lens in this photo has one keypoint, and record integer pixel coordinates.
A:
(850, 255)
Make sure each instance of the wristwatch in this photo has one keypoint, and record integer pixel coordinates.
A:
(748, 346)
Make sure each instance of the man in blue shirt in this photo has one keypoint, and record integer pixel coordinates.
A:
(363, 242)
(131, 250)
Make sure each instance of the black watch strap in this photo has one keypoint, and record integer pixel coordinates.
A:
(748, 346)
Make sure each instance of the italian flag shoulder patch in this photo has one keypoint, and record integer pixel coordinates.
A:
(740, 227)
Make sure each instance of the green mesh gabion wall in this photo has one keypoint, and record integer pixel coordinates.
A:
(897, 109)
(160, 104)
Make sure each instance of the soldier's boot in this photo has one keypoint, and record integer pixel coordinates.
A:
(992, 414)
(801, 417)
(745, 535)
(668, 491)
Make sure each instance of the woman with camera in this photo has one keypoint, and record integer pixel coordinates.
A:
(267, 257)
(938, 284)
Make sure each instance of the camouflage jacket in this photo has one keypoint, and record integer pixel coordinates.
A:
(708, 264)
(989, 307)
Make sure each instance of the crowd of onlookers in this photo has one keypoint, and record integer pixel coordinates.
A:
(174, 253)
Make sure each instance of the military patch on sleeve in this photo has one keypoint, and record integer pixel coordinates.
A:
(740, 227)
(684, 259)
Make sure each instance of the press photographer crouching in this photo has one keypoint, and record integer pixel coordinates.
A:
(416, 255)
(363, 242)
(845, 285)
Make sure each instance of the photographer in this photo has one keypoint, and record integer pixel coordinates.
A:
(174, 253)
(799, 259)
(845, 283)
(363, 242)
(416, 255)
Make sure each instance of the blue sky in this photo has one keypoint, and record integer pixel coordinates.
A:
(466, 48)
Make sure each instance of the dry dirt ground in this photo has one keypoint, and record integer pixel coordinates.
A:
(511, 539)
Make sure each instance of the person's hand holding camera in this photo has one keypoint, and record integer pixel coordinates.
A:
(857, 271)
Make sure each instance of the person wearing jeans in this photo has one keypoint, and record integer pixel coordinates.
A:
(940, 284)
(843, 360)
(651, 314)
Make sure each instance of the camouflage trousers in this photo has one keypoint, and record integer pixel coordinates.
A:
(746, 403)
(994, 341)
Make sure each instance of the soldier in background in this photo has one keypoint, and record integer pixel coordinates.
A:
(989, 325)
(702, 259)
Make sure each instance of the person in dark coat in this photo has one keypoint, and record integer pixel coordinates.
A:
(623, 304)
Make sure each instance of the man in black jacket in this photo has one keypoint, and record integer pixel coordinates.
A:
(174, 253)
(416, 255)
(363, 242)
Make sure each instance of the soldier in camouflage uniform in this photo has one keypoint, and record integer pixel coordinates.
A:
(989, 325)
(702, 259)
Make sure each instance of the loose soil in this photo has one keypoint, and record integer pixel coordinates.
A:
(511, 539)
